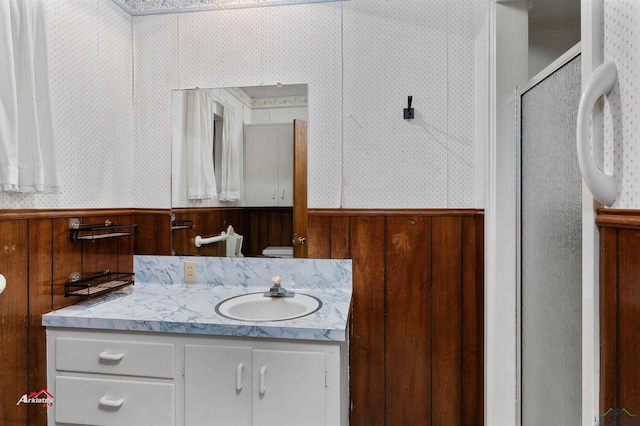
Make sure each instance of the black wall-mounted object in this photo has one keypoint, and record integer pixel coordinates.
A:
(408, 112)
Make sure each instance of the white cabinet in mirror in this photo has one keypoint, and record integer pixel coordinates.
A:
(209, 145)
(268, 164)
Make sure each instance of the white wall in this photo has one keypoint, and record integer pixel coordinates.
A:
(112, 76)
(241, 47)
(90, 65)
(545, 46)
(621, 124)
(392, 50)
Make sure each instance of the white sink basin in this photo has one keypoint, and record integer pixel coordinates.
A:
(257, 307)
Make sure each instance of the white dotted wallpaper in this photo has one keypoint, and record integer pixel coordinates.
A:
(480, 97)
(423, 49)
(622, 154)
(247, 47)
(90, 66)
(112, 76)
(155, 57)
(389, 55)
(360, 59)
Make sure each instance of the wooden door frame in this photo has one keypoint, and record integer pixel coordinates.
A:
(300, 218)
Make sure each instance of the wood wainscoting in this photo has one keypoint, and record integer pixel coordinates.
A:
(260, 226)
(416, 326)
(416, 320)
(619, 311)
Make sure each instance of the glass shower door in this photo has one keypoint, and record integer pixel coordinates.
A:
(550, 249)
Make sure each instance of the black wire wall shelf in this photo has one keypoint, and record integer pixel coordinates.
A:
(98, 284)
(182, 224)
(93, 232)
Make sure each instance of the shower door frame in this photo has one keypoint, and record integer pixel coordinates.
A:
(567, 57)
(592, 42)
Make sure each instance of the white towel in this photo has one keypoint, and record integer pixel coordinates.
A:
(231, 173)
(8, 104)
(28, 160)
(234, 243)
(201, 179)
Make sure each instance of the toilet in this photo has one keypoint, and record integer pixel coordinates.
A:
(278, 251)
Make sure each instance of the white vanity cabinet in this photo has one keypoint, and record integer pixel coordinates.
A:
(268, 165)
(134, 378)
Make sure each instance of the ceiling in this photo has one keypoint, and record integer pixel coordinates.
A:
(150, 7)
(541, 11)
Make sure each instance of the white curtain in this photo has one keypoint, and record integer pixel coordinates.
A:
(201, 179)
(231, 173)
(28, 160)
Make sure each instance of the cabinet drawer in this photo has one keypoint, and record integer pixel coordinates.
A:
(115, 357)
(113, 402)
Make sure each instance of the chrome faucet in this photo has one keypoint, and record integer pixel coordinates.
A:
(277, 290)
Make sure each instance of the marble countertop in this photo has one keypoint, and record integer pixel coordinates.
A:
(180, 307)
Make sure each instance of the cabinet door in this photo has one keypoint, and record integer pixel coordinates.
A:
(218, 388)
(289, 388)
(285, 165)
(261, 166)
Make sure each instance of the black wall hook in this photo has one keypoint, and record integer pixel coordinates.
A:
(408, 112)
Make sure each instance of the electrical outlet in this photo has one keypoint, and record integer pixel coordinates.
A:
(190, 275)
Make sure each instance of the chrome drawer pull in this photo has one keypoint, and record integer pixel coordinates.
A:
(105, 356)
(111, 403)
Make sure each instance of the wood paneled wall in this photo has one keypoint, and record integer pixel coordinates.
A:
(260, 226)
(37, 258)
(416, 349)
(14, 321)
(416, 320)
(619, 311)
(154, 232)
(207, 222)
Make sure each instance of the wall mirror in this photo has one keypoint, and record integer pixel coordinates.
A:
(233, 169)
